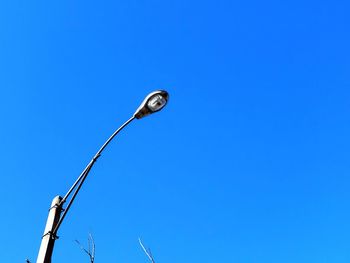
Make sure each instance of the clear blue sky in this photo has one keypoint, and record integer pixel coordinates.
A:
(249, 162)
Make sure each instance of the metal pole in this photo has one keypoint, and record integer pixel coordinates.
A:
(48, 239)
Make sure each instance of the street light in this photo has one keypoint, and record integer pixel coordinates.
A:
(154, 102)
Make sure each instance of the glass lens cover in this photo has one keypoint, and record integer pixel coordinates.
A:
(156, 102)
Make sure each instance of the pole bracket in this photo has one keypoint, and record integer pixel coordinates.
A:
(52, 235)
(56, 206)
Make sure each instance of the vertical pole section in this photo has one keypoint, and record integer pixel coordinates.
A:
(48, 239)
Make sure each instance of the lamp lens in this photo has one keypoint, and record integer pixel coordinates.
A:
(156, 102)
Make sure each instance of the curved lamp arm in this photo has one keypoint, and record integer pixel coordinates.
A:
(79, 182)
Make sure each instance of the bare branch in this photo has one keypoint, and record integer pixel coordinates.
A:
(91, 239)
(147, 251)
(91, 248)
(82, 248)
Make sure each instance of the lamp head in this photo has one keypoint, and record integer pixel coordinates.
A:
(154, 102)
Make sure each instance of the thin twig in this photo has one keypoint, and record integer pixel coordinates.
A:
(82, 248)
(91, 248)
(147, 251)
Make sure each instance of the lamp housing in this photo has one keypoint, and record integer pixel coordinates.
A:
(155, 101)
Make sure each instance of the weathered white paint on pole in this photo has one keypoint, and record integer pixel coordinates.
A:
(48, 240)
